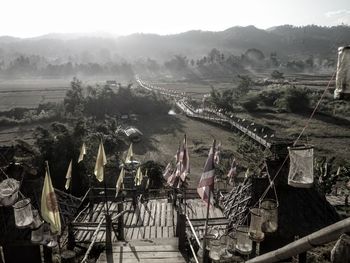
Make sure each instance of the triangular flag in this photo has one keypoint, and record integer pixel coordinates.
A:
(68, 176)
(120, 181)
(82, 152)
(138, 177)
(130, 155)
(246, 175)
(49, 206)
(233, 170)
(101, 161)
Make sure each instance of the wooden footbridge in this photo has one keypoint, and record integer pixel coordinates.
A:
(148, 229)
(275, 145)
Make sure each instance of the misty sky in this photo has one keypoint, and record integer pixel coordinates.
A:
(28, 18)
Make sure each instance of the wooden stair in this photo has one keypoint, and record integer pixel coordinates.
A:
(147, 251)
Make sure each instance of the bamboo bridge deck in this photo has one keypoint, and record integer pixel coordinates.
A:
(146, 251)
(150, 231)
(150, 220)
(154, 219)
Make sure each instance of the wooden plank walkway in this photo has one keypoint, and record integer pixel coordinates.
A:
(150, 251)
(154, 219)
(197, 209)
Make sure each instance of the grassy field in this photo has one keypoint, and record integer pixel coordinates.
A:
(330, 134)
(29, 93)
(162, 133)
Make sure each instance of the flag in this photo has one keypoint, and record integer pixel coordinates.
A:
(68, 176)
(138, 177)
(217, 154)
(174, 177)
(167, 171)
(177, 155)
(101, 161)
(82, 152)
(120, 181)
(184, 160)
(246, 175)
(130, 155)
(206, 183)
(49, 206)
(147, 182)
(233, 170)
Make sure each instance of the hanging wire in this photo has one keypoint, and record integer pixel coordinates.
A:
(271, 182)
(302, 132)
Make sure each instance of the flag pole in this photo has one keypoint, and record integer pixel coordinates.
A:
(108, 239)
(205, 254)
(184, 188)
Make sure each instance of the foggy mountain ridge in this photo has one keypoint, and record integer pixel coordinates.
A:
(286, 40)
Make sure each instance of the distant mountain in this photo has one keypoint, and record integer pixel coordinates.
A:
(287, 41)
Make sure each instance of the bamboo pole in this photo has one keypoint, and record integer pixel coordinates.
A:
(320, 237)
(194, 232)
(205, 258)
(192, 250)
(94, 236)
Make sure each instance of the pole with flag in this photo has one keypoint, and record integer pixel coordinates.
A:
(68, 176)
(204, 189)
(206, 182)
(184, 160)
(167, 172)
(120, 181)
(233, 170)
(50, 211)
(138, 177)
(217, 154)
(101, 161)
(82, 152)
(130, 155)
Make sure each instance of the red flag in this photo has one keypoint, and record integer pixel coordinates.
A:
(206, 183)
(233, 170)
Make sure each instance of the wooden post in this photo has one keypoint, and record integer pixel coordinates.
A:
(109, 249)
(71, 238)
(205, 251)
(182, 232)
(177, 230)
(47, 254)
(121, 222)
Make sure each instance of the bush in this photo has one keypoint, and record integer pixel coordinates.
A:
(250, 103)
(293, 100)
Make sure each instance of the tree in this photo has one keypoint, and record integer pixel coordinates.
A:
(244, 84)
(74, 99)
(222, 100)
(293, 100)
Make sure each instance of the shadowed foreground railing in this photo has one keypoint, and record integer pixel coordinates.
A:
(320, 237)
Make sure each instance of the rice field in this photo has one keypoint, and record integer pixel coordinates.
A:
(31, 92)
